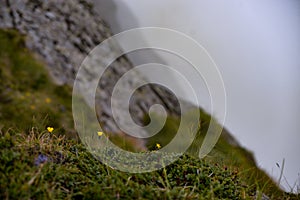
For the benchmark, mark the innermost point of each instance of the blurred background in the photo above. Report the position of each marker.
(256, 45)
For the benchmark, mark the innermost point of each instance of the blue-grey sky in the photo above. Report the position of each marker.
(256, 45)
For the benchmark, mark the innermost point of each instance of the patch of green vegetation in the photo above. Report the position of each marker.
(229, 156)
(36, 164)
(27, 94)
(72, 172)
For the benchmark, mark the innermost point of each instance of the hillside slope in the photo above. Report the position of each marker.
(38, 164)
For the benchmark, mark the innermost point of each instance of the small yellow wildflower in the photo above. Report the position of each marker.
(27, 94)
(48, 100)
(158, 145)
(100, 133)
(32, 107)
(50, 129)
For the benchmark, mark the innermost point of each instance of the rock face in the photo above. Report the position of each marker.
(62, 33)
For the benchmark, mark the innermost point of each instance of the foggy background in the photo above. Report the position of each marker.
(256, 45)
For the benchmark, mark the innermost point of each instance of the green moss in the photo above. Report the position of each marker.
(233, 158)
(72, 172)
(27, 94)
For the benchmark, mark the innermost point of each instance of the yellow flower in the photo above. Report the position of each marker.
(32, 107)
(100, 133)
(158, 145)
(48, 100)
(50, 129)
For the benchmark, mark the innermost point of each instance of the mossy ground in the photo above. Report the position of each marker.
(27, 94)
(30, 102)
(231, 157)
(72, 172)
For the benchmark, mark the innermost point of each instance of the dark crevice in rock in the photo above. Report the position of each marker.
(80, 48)
(162, 99)
(11, 14)
(68, 23)
(87, 5)
(20, 14)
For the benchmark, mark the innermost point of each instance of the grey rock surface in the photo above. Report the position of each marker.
(62, 33)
